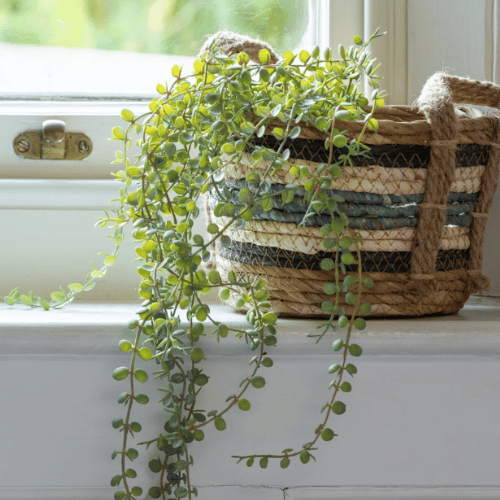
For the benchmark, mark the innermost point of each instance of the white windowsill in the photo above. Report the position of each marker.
(83, 329)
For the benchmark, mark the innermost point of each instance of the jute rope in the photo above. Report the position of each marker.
(233, 43)
(289, 296)
(393, 129)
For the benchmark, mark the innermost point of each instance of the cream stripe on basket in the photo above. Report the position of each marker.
(372, 179)
(288, 236)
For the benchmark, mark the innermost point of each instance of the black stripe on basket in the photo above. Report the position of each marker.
(386, 155)
(383, 262)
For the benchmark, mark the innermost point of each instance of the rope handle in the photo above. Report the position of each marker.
(436, 101)
(233, 43)
(442, 89)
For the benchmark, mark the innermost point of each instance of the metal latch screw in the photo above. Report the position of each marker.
(22, 146)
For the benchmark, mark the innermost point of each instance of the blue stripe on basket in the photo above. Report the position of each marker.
(385, 214)
(235, 185)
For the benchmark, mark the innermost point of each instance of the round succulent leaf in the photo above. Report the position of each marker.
(142, 399)
(327, 434)
(337, 344)
(117, 422)
(346, 386)
(270, 340)
(131, 473)
(201, 379)
(339, 141)
(132, 453)
(145, 353)
(123, 397)
(141, 375)
(338, 407)
(258, 382)
(120, 373)
(116, 480)
(355, 350)
(154, 492)
(267, 362)
(360, 324)
(199, 435)
(304, 456)
(343, 321)
(351, 369)
(244, 404)
(197, 354)
(155, 465)
(135, 427)
(334, 368)
(220, 424)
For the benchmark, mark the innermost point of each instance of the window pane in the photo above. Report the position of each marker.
(94, 46)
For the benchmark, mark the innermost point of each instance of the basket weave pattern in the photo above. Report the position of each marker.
(420, 201)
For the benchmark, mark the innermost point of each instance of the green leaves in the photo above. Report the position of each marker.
(145, 353)
(155, 465)
(258, 382)
(264, 56)
(9, 300)
(304, 456)
(327, 434)
(125, 345)
(58, 297)
(197, 354)
(141, 375)
(120, 373)
(338, 344)
(244, 404)
(127, 115)
(338, 407)
(118, 134)
(355, 349)
(142, 399)
(295, 132)
(220, 424)
(223, 116)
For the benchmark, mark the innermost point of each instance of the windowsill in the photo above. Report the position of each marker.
(90, 329)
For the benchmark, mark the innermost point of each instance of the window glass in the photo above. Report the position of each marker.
(64, 46)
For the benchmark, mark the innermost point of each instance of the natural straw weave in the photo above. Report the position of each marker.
(433, 183)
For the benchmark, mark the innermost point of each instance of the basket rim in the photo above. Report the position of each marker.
(403, 124)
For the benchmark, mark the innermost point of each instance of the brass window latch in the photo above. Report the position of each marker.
(52, 143)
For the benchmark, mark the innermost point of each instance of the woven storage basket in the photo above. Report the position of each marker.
(420, 201)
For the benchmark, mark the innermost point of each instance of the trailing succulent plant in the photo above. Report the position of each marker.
(206, 118)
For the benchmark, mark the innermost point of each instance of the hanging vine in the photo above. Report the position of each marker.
(205, 120)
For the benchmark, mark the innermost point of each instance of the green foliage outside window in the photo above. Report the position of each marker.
(156, 26)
